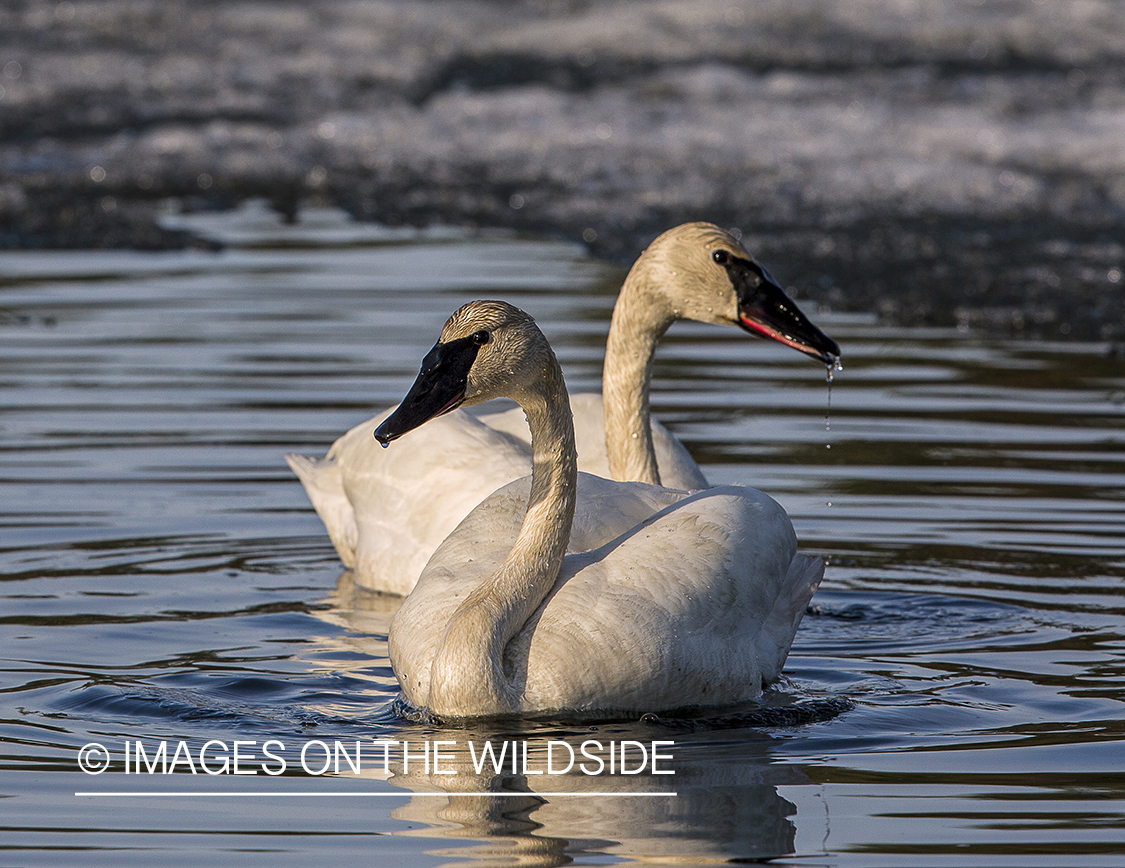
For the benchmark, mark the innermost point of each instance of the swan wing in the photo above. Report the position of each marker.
(677, 468)
(478, 546)
(684, 599)
(324, 485)
(389, 509)
(364, 494)
(696, 606)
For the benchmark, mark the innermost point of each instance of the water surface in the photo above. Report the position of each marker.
(165, 578)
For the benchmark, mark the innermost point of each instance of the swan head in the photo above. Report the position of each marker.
(487, 349)
(701, 272)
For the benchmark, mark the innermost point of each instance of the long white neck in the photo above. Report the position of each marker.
(639, 321)
(468, 676)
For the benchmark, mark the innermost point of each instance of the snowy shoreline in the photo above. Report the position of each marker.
(938, 162)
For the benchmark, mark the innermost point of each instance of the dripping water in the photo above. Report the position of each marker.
(831, 368)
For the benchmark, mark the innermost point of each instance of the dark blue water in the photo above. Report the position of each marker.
(955, 696)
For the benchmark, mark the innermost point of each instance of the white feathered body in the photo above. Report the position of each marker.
(678, 600)
(387, 510)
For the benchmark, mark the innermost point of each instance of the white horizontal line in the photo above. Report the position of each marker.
(190, 794)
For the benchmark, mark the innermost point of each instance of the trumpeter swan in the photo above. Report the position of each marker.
(696, 605)
(387, 513)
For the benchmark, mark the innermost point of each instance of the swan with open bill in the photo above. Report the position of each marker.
(386, 512)
(695, 605)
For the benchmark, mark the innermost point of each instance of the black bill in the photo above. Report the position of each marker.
(765, 309)
(440, 388)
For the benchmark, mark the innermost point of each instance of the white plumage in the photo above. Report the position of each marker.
(387, 511)
(668, 599)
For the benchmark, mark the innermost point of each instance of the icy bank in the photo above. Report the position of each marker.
(938, 161)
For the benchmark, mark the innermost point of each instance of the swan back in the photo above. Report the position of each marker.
(695, 604)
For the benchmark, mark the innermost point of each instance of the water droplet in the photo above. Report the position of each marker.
(828, 410)
(828, 503)
(384, 445)
(833, 366)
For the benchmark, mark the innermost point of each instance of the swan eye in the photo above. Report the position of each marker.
(721, 257)
(481, 338)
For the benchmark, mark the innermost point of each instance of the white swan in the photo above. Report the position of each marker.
(387, 513)
(696, 605)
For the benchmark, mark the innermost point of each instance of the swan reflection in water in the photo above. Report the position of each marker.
(726, 804)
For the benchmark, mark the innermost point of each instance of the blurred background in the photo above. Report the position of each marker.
(940, 162)
(209, 210)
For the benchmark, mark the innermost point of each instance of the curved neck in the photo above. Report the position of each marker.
(639, 321)
(468, 675)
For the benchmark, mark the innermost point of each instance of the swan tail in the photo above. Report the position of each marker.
(324, 484)
(804, 576)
